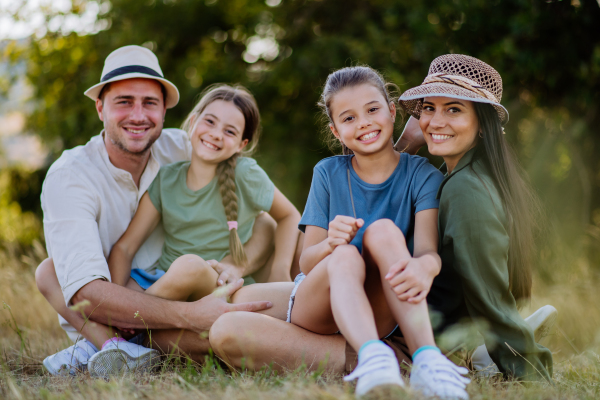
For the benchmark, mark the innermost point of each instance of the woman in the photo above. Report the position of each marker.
(487, 211)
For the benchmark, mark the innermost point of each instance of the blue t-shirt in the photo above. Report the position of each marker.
(411, 188)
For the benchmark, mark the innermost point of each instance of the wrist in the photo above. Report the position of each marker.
(432, 262)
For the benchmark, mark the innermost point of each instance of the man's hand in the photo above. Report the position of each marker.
(412, 138)
(411, 278)
(201, 314)
(342, 230)
(228, 273)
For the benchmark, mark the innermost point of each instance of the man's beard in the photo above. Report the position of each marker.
(121, 145)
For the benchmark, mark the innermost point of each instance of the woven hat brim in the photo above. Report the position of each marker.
(412, 99)
(172, 92)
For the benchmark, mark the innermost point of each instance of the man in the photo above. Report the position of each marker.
(89, 197)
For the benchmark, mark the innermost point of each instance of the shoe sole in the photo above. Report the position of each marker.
(542, 321)
(115, 362)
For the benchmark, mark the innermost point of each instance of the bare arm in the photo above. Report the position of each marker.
(286, 234)
(412, 279)
(141, 226)
(115, 305)
(319, 243)
(412, 138)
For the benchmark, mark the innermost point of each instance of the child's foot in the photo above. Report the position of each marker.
(119, 357)
(433, 375)
(377, 366)
(71, 360)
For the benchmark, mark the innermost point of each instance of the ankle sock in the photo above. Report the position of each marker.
(367, 345)
(113, 340)
(425, 352)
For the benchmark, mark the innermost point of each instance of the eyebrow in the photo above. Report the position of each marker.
(128, 97)
(366, 104)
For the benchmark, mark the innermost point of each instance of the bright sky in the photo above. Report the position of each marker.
(22, 18)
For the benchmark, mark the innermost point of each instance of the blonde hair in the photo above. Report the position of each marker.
(245, 102)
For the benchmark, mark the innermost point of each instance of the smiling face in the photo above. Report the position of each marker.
(450, 127)
(133, 112)
(362, 119)
(217, 132)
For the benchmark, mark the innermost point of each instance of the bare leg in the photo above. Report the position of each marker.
(384, 244)
(189, 278)
(179, 343)
(334, 296)
(253, 340)
(48, 285)
(277, 293)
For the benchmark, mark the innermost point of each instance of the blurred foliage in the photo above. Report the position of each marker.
(548, 53)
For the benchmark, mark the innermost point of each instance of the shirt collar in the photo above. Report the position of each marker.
(148, 175)
(466, 160)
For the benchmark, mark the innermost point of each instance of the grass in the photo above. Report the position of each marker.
(29, 331)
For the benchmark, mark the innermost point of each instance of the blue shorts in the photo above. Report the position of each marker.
(144, 278)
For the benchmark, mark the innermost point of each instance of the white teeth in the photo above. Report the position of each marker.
(210, 145)
(136, 131)
(369, 136)
(441, 137)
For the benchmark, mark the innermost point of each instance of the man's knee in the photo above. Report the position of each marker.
(381, 232)
(223, 336)
(44, 276)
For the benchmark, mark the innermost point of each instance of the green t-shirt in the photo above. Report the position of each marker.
(195, 222)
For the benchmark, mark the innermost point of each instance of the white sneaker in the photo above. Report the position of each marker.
(433, 375)
(71, 360)
(541, 322)
(119, 358)
(377, 366)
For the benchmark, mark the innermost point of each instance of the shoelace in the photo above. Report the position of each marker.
(447, 372)
(377, 360)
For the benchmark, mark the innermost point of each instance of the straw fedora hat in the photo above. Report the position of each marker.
(459, 77)
(129, 62)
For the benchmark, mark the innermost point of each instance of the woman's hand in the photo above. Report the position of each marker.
(342, 230)
(411, 278)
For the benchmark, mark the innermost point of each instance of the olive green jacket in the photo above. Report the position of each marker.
(473, 283)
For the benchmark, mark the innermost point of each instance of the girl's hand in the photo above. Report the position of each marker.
(342, 230)
(228, 273)
(411, 278)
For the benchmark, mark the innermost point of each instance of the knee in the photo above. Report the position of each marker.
(223, 337)
(382, 232)
(43, 276)
(346, 261)
(190, 267)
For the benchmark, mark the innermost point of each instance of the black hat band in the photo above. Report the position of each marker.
(130, 69)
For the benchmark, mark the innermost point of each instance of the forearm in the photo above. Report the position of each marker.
(286, 240)
(312, 255)
(119, 264)
(115, 305)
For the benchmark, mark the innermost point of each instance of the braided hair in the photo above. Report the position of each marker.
(245, 102)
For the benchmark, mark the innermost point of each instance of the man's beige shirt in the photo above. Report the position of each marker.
(88, 204)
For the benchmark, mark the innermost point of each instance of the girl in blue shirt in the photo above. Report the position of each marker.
(370, 245)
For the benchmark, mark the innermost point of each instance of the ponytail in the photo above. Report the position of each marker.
(226, 180)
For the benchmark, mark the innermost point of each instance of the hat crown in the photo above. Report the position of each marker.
(131, 55)
(470, 68)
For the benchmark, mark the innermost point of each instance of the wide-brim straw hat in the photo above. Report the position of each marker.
(129, 62)
(459, 77)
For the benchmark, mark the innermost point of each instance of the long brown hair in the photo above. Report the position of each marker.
(349, 77)
(245, 102)
(521, 205)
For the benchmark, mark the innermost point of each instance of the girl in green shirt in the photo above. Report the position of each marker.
(487, 211)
